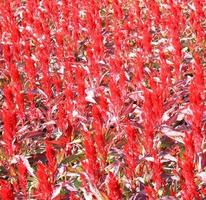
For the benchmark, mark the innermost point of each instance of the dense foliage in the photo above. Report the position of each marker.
(102, 99)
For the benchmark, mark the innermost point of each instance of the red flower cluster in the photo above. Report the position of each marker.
(102, 99)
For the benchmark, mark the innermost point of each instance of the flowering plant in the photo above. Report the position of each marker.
(102, 99)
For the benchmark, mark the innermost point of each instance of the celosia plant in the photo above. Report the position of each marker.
(102, 99)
